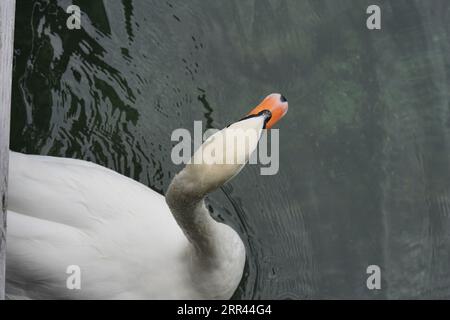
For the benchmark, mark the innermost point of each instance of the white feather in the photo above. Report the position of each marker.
(120, 233)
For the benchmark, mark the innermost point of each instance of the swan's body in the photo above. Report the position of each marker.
(126, 241)
(111, 226)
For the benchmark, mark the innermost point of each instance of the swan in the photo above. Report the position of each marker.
(125, 240)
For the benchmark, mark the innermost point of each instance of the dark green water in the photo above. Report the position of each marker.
(365, 148)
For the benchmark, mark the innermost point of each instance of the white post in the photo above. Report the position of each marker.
(7, 11)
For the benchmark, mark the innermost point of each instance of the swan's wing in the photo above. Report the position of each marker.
(38, 254)
(65, 212)
(77, 193)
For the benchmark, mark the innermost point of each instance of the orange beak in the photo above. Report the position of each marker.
(276, 104)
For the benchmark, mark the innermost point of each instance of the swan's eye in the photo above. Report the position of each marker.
(267, 114)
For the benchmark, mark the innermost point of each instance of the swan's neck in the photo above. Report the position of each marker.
(212, 241)
(218, 253)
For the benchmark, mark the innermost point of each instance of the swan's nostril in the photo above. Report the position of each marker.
(283, 98)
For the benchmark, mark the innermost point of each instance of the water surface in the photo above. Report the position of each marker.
(365, 162)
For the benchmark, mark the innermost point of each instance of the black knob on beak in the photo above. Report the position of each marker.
(283, 98)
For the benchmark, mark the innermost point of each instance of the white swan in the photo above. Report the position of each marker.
(122, 235)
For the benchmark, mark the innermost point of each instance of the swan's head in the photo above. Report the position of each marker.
(274, 106)
(226, 152)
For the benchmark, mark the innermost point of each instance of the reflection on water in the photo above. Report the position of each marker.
(365, 162)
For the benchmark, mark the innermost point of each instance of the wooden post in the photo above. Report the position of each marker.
(7, 11)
